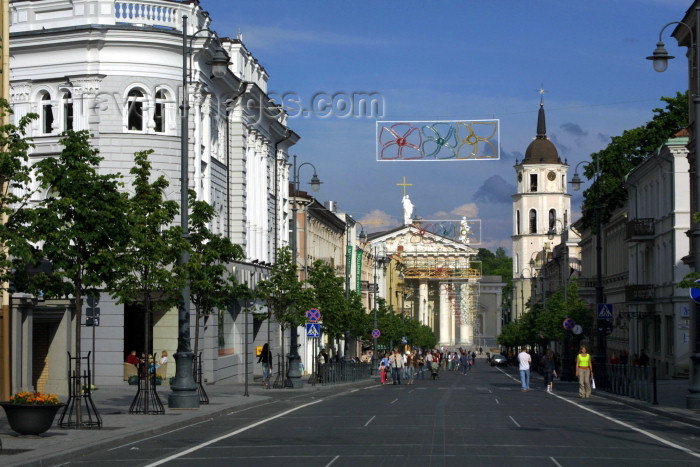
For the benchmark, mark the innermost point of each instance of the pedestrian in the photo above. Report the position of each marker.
(396, 364)
(265, 359)
(584, 371)
(548, 370)
(524, 360)
(421, 366)
(409, 365)
(463, 362)
(382, 372)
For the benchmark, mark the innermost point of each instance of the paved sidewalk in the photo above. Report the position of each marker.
(58, 445)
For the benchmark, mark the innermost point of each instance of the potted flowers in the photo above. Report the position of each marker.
(31, 413)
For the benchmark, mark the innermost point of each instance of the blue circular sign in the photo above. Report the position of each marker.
(313, 315)
(695, 292)
(376, 333)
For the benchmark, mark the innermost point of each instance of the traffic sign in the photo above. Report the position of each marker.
(376, 333)
(313, 315)
(313, 330)
(605, 311)
(695, 292)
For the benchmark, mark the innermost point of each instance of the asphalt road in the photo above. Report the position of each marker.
(481, 419)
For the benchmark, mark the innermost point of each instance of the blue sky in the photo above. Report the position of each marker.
(457, 60)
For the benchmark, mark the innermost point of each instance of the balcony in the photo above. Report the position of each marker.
(640, 230)
(639, 293)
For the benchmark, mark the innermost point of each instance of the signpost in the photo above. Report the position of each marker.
(605, 311)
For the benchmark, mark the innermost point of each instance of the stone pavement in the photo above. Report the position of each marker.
(58, 445)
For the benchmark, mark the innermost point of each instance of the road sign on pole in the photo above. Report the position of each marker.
(313, 315)
(605, 311)
(376, 333)
(313, 330)
(695, 292)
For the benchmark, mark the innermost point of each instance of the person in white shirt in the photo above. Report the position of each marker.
(524, 366)
(396, 363)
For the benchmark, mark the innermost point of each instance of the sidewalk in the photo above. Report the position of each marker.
(118, 427)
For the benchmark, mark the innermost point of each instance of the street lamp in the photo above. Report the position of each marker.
(293, 373)
(185, 395)
(566, 364)
(382, 261)
(348, 268)
(660, 60)
(600, 357)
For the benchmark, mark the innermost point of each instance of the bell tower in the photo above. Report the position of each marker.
(541, 208)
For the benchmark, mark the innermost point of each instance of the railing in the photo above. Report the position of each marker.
(341, 372)
(145, 12)
(637, 382)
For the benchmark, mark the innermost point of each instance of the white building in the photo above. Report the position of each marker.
(115, 68)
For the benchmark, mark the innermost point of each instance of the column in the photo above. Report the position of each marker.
(466, 331)
(445, 313)
(423, 301)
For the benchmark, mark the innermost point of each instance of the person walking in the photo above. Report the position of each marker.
(584, 371)
(396, 363)
(524, 360)
(548, 370)
(265, 359)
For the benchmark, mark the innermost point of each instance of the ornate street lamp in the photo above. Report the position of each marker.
(660, 59)
(185, 395)
(348, 269)
(293, 373)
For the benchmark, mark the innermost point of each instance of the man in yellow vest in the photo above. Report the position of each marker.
(584, 371)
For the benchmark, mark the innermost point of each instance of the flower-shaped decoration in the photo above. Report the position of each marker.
(440, 141)
(34, 398)
(477, 137)
(400, 141)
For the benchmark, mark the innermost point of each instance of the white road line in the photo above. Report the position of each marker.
(631, 427)
(395, 400)
(370, 420)
(497, 403)
(228, 435)
(334, 459)
(516, 423)
(555, 462)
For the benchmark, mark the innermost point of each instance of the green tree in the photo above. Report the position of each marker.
(150, 274)
(81, 225)
(329, 297)
(212, 286)
(626, 152)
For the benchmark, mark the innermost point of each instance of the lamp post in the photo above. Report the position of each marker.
(383, 261)
(660, 58)
(566, 359)
(185, 395)
(600, 357)
(348, 269)
(293, 373)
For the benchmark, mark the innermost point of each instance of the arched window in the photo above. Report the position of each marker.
(160, 115)
(46, 114)
(533, 221)
(134, 110)
(552, 220)
(67, 109)
(517, 222)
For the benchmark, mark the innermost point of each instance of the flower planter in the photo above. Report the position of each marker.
(30, 419)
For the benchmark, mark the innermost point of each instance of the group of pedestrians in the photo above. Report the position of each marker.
(584, 371)
(411, 365)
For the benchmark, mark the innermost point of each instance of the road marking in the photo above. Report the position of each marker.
(334, 459)
(228, 435)
(395, 400)
(631, 427)
(370, 420)
(516, 423)
(497, 403)
(555, 462)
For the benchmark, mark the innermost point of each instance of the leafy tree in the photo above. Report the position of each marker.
(81, 226)
(150, 275)
(329, 297)
(626, 152)
(212, 286)
(15, 193)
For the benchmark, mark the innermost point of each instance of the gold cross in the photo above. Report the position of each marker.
(404, 185)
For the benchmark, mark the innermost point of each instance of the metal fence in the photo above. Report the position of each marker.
(340, 372)
(637, 382)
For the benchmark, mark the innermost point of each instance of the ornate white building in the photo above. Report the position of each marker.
(115, 68)
(541, 208)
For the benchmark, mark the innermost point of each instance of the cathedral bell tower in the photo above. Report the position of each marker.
(541, 207)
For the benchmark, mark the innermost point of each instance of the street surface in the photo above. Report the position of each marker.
(481, 419)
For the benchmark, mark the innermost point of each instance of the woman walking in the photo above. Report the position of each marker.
(266, 359)
(584, 371)
(549, 371)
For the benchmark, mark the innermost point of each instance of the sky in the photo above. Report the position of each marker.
(454, 60)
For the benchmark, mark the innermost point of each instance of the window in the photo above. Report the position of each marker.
(226, 330)
(159, 116)
(533, 221)
(533, 182)
(134, 110)
(552, 220)
(46, 114)
(67, 107)
(517, 222)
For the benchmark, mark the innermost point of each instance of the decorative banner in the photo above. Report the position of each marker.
(358, 272)
(348, 265)
(441, 140)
